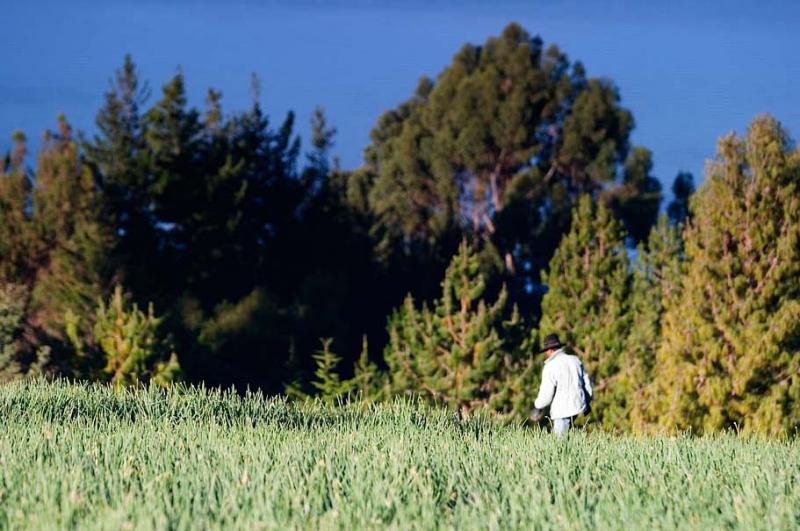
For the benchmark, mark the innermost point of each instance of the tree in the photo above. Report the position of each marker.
(637, 200)
(327, 381)
(682, 189)
(13, 299)
(368, 382)
(322, 136)
(72, 239)
(55, 246)
(17, 358)
(500, 147)
(730, 355)
(657, 274)
(204, 206)
(453, 354)
(587, 302)
(17, 263)
(133, 344)
(366, 385)
(333, 286)
(119, 161)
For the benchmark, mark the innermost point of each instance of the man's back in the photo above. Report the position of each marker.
(566, 387)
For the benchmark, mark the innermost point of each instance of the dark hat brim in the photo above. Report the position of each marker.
(551, 347)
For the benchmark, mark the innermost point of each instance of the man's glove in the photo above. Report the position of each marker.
(536, 414)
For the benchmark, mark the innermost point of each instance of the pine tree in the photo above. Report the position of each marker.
(682, 190)
(452, 354)
(120, 164)
(17, 262)
(637, 200)
(588, 299)
(518, 379)
(322, 135)
(366, 385)
(18, 357)
(730, 355)
(12, 312)
(657, 273)
(327, 381)
(13, 302)
(172, 136)
(133, 344)
(72, 238)
(368, 382)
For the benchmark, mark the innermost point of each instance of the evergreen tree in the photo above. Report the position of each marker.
(337, 290)
(730, 355)
(368, 383)
(452, 354)
(682, 190)
(327, 381)
(133, 343)
(72, 240)
(205, 207)
(637, 200)
(173, 140)
(12, 313)
(413, 209)
(322, 136)
(17, 358)
(587, 302)
(17, 263)
(657, 273)
(119, 161)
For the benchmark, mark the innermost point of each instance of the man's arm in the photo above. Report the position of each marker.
(587, 382)
(546, 391)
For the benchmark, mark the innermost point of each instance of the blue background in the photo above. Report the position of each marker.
(689, 71)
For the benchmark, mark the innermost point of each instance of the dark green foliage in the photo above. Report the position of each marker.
(500, 147)
(17, 263)
(657, 273)
(327, 381)
(119, 161)
(17, 358)
(637, 200)
(208, 200)
(248, 257)
(452, 354)
(55, 248)
(251, 259)
(682, 189)
(72, 242)
(252, 249)
(13, 300)
(587, 302)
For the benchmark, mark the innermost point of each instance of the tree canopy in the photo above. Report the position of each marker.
(504, 200)
(499, 148)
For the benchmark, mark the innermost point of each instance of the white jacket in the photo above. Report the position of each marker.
(565, 386)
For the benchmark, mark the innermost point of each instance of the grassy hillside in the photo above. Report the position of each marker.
(74, 456)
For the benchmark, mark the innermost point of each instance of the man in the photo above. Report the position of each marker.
(566, 387)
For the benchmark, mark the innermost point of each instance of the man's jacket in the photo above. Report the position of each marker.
(566, 387)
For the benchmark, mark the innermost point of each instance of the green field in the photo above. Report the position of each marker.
(88, 457)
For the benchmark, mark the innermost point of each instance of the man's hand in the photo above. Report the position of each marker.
(536, 414)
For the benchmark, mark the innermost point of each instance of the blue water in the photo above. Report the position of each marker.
(689, 71)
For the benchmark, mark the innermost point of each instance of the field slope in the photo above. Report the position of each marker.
(87, 457)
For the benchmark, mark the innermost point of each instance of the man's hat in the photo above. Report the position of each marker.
(551, 341)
